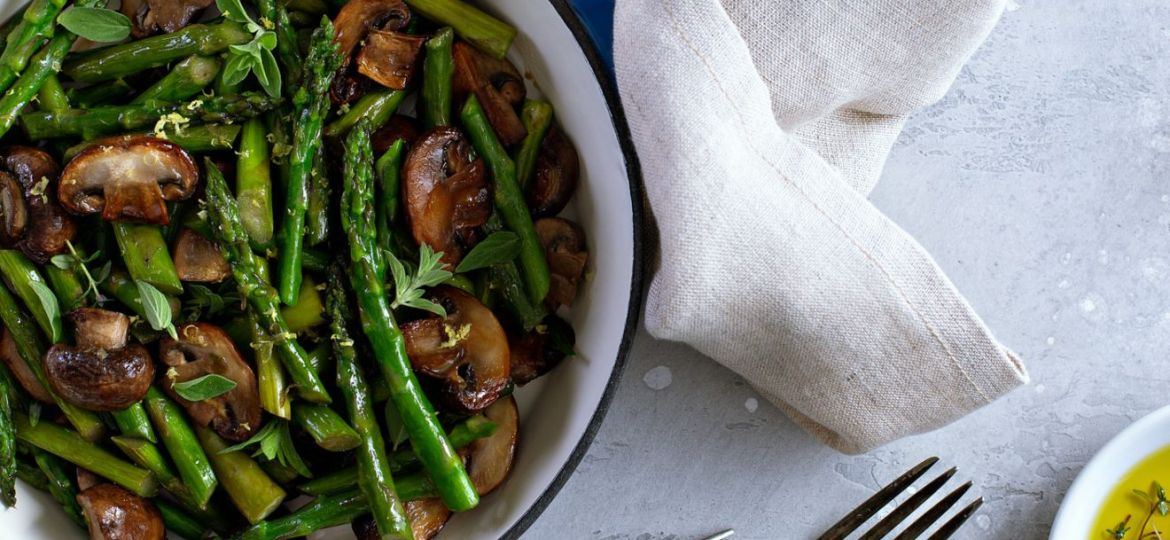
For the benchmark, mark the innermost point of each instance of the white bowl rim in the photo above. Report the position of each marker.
(1122, 452)
(634, 175)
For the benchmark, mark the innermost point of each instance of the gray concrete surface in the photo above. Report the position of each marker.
(1040, 185)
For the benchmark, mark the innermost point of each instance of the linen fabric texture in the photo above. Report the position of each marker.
(761, 127)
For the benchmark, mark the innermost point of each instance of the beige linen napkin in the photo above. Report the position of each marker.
(761, 127)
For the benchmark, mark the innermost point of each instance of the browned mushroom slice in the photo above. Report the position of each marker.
(13, 213)
(446, 193)
(467, 351)
(49, 227)
(389, 58)
(567, 253)
(113, 513)
(97, 379)
(491, 457)
(151, 17)
(427, 517)
(498, 86)
(128, 178)
(555, 177)
(358, 17)
(538, 352)
(19, 368)
(198, 259)
(99, 328)
(398, 127)
(204, 349)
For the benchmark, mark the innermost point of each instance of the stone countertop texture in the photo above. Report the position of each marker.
(1040, 184)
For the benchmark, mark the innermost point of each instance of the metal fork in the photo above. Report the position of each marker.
(879, 500)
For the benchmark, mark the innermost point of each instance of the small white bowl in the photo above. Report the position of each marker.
(1078, 511)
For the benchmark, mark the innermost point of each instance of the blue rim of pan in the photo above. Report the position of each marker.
(634, 173)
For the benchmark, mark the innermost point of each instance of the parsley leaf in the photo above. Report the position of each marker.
(408, 290)
(205, 387)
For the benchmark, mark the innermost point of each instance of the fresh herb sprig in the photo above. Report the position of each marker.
(254, 57)
(157, 308)
(274, 441)
(203, 388)
(408, 289)
(100, 25)
(74, 261)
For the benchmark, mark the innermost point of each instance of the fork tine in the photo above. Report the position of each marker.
(908, 507)
(854, 519)
(953, 525)
(931, 516)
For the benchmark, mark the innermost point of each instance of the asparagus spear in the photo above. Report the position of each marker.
(252, 491)
(178, 521)
(315, 261)
(133, 422)
(7, 442)
(269, 374)
(32, 476)
(44, 63)
(142, 54)
(68, 445)
(509, 198)
(32, 351)
(438, 68)
(286, 39)
(179, 439)
(254, 184)
(144, 250)
(22, 277)
(67, 286)
(427, 436)
(504, 278)
(12, 23)
(97, 121)
(60, 483)
(52, 95)
(91, 96)
(186, 80)
(373, 471)
(35, 24)
(224, 216)
(334, 510)
(389, 167)
(120, 286)
(326, 427)
(487, 33)
(317, 209)
(202, 138)
(537, 116)
(463, 434)
(312, 103)
(308, 311)
(146, 455)
(377, 106)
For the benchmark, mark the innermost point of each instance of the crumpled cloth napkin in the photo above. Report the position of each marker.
(761, 126)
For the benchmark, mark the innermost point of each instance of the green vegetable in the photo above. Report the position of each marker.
(334, 510)
(224, 217)
(389, 180)
(195, 139)
(179, 522)
(96, 24)
(52, 95)
(157, 51)
(205, 387)
(254, 184)
(22, 277)
(29, 28)
(269, 374)
(185, 81)
(509, 198)
(286, 37)
(499, 247)
(148, 456)
(312, 104)
(68, 445)
(373, 471)
(438, 69)
(251, 490)
(326, 427)
(156, 307)
(133, 422)
(179, 439)
(409, 289)
(537, 117)
(144, 250)
(91, 96)
(387, 342)
(317, 209)
(274, 442)
(377, 106)
(253, 57)
(504, 278)
(7, 441)
(60, 483)
(487, 33)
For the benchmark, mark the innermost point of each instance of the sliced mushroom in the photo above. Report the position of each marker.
(13, 212)
(491, 457)
(567, 253)
(19, 368)
(99, 328)
(467, 351)
(538, 352)
(128, 178)
(204, 349)
(86, 479)
(113, 513)
(390, 58)
(398, 127)
(498, 86)
(97, 379)
(49, 228)
(446, 193)
(151, 17)
(198, 259)
(355, 20)
(555, 177)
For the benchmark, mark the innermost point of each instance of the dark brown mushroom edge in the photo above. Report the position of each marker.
(101, 372)
(29, 180)
(537, 352)
(446, 192)
(498, 86)
(427, 518)
(555, 178)
(490, 458)
(113, 513)
(466, 352)
(203, 349)
(129, 179)
(367, 33)
(198, 259)
(567, 253)
(149, 17)
(20, 370)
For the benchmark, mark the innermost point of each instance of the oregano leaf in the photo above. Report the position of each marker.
(204, 388)
(95, 24)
